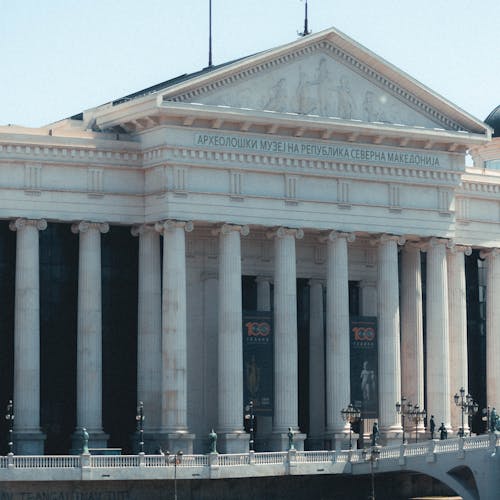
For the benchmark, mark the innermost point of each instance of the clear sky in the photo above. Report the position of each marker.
(59, 57)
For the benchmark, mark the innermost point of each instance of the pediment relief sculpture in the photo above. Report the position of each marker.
(317, 84)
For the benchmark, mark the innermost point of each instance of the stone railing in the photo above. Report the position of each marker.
(13, 467)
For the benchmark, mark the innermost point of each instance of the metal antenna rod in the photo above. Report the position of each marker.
(210, 33)
(306, 29)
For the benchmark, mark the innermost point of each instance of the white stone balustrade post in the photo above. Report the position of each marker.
(174, 337)
(438, 345)
(149, 332)
(89, 334)
(233, 439)
(492, 321)
(29, 440)
(412, 336)
(338, 395)
(389, 368)
(285, 338)
(458, 329)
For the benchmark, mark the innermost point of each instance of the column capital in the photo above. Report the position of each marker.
(434, 242)
(281, 232)
(85, 226)
(40, 224)
(317, 281)
(335, 235)
(385, 238)
(264, 279)
(228, 228)
(168, 225)
(489, 252)
(138, 229)
(454, 249)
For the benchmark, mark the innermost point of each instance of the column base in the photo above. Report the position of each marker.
(29, 443)
(233, 442)
(97, 439)
(391, 436)
(340, 440)
(156, 442)
(279, 441)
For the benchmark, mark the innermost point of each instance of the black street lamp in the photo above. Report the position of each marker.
(176, 459)
(372, 457)
(140, 425)
(404, 409)
(350, 414)
(9, 416)
(417, 415)
(250, 418)
(466, 404)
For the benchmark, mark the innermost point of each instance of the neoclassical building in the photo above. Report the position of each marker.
(298, 227)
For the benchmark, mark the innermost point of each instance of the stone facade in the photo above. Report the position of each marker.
(310, 167)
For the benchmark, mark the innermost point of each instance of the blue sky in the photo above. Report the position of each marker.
(59, 57)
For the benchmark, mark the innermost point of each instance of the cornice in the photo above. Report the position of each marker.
(193, 157)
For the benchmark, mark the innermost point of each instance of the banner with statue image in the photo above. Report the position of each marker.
(364, 365)
(258, 361)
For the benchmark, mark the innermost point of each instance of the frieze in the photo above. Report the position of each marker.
(329, 151)
(8, 151)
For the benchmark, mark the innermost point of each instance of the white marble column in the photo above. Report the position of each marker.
(233, 439)
(492, 321)
(458, 329)
(174, 337)
(389, 368)
(412, 339)
(149, 333)
(285, 338)
(438, 346)
(338, 395)
(28, 438)
(89, 332)
(316, 435)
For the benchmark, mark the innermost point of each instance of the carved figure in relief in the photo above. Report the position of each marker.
(345, 105)
(371, 108)
(278, 99)
(305, 105)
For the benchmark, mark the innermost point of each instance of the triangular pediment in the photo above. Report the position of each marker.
(327, 75)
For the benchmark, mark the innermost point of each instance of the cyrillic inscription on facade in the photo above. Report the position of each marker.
(343, 152)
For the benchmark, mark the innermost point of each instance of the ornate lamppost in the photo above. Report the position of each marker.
(9, 416)
(176, 459)
(350, 414)
(404, 409)
(417, 415)
(140, 425)
(250, 419)
(466, 404)
(372, 456)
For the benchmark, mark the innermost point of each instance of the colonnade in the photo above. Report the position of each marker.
(162, 313)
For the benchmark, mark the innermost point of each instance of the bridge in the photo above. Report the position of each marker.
(470, 466)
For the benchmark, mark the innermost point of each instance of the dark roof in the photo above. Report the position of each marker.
(493, 120)
(174, 81)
